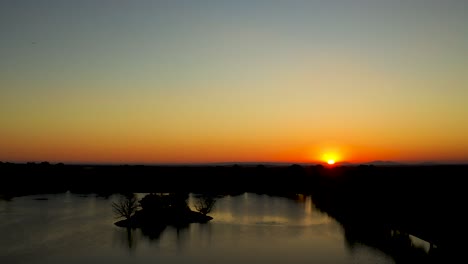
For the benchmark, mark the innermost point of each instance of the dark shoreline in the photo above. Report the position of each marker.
(426, 201)
(44, 177)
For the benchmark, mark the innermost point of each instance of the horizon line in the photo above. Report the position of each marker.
(251, 163)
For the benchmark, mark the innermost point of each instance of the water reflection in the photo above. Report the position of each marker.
(364, 229)
(394, 243)
(260, 211)
(263, 209)
(127, 238)
(249, 228)
(153, 232)
(250, 218)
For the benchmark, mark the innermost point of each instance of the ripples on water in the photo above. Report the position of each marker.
(247, 228)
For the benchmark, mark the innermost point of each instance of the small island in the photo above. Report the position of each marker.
(157, 210)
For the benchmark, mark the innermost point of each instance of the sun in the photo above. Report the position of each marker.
(330, 158)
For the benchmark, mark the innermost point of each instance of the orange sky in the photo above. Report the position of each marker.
(202, 83)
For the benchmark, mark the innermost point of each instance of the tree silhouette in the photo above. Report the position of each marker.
(126, 206)
(204, 204)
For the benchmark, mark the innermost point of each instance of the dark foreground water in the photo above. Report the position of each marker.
(247, 228)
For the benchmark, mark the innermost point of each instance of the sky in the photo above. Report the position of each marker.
(233, 81)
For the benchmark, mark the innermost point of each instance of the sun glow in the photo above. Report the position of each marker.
(330, 158)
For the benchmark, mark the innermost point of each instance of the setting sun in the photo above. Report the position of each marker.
(330, 157)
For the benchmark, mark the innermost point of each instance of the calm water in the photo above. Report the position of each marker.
(248, 228)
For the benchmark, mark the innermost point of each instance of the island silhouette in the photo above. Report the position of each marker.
(157, 209)
(393, 201)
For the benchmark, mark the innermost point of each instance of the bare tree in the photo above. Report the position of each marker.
(205, 204)
(126, 206)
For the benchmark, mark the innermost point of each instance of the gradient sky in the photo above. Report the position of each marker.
(211, 81)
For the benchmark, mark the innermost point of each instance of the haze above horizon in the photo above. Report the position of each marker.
(158, 82)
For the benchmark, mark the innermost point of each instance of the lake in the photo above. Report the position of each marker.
(246, 228)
